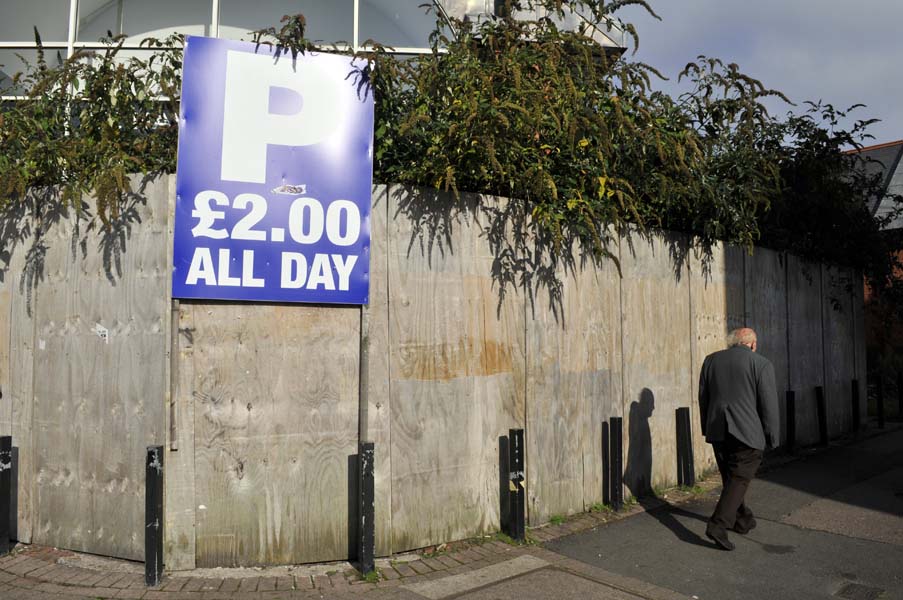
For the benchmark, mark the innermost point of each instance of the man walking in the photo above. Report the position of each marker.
(738, 410)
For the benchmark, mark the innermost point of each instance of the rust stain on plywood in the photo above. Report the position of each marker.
(466, 358)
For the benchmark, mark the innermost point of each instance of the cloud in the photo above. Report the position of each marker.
(843, 53)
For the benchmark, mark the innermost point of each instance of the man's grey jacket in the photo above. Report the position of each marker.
(737, 395)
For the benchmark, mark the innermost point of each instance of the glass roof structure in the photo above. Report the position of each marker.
(68, 25)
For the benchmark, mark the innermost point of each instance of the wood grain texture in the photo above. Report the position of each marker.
(457, 375)
(11, 262)
(573, 384)
(17, 367)
(766, 312)
(179, 548)
(717, 305)
(275, 419)
(655, 304)
(839, 348)
(378, 384)
(98, 401)
(805, 343)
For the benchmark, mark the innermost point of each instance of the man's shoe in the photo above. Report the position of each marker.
(719, 536)
(744, 528)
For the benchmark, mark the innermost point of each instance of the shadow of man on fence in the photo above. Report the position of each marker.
(638, 473)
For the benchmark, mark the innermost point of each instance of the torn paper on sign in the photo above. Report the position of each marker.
(102, 332)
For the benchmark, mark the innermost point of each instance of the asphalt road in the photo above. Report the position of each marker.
(829, 526)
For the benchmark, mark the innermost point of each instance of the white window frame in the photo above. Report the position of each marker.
(72, 45)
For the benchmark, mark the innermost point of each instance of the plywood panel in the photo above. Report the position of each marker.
(17, 360)
(573, 384)
(806, 364)
(377, 343)
(840, 348)
(6, 290)
(766, 310)
(180, 507)
(100, 389)
(655, 301)
(456, 362)
(179, 551)
(275, 391)
(64, 435)
(717, 302)
(12, 255)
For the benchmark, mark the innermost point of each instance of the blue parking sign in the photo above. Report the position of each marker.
(274, 176)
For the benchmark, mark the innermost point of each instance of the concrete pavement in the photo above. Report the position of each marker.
(484, 571)
(830, 525)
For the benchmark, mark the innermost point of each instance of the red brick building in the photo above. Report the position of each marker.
(884, 333)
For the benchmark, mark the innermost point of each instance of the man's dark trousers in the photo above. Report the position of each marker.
(738, 464)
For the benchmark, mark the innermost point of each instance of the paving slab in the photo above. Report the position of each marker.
(457, 584)
(549, 583)
(844, 514)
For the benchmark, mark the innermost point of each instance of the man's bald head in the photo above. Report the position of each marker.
(744, 336)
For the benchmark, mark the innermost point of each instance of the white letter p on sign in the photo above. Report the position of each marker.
(248, 125)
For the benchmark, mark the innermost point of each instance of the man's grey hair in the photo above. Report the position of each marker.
(743, 335)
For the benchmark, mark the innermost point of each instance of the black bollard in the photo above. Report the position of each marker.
(606, 465)
(367, 511)
(6, 490)
(616, 436)
(900, 394)
(679, 436)
(504, 483)
(517, 485)
(791, 420)
(822, 408)
(153, 516)
(686, 475)
(690, 473)
(855, 401)
(880, 406)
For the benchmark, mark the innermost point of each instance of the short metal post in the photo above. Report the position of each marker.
(6, 490)
(367, 512)
(900, 394)
(606, 465)
(690, 468)
(685, 474)
(617, 461)
(153, 516)
(679, 436)
(791, 420)
(822, 408)
(517, 485)
(855, 401)
(880, 406)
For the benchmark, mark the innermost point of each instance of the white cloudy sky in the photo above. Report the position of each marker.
(840, 52)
